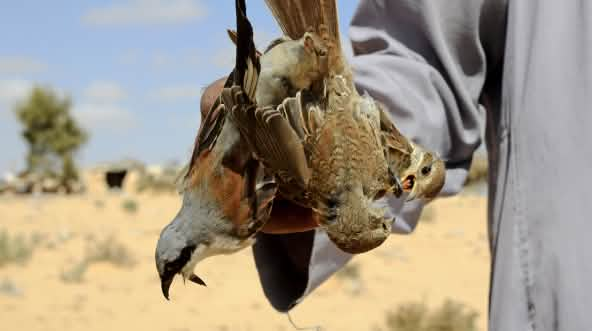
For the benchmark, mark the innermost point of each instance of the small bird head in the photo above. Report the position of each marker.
(317, 52)
(314, 44)
(175, 253)
(355, 224)
(425, 177)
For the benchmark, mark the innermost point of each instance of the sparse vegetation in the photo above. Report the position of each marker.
(350, 276)
(53, 137)
(14, 249)
(450, 316)
(129, 205)
(9, 288)
(111, 251)
(108, 250)
(75, 274)
(350, 271)
(99, 204)
(428, 214)
(166, 180)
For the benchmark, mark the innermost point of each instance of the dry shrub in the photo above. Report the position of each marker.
(14, 249)
(165, 181)
(428, 214)
(450, 316)
(408, 317)
(130, 206)
(108, 250)
(350, 271)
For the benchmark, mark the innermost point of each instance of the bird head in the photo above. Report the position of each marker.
(355, 224)
(425, 177)
(177, 252)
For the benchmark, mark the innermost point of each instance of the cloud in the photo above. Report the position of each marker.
(146, 12)
(104, 92)
(104, 117)
(183, 60)
(178, 92)
(10, 65)
(13, 91)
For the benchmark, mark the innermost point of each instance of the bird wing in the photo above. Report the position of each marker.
(259, 191)
(259, 187)
(266, 131)
(247, 66)
(397, 148)
(245, 74)
(270, 136)
(210, 129)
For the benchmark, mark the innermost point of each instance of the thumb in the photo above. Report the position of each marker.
(209, 96)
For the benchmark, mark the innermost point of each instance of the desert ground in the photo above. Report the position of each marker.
(92, 268)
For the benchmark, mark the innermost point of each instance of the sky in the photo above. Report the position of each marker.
(134, 69)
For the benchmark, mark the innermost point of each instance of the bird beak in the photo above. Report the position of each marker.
(165, 284)
(194, 278)
(409, 185)
(412, 195)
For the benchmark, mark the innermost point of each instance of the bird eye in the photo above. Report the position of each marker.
(426, 170)
(332, 203)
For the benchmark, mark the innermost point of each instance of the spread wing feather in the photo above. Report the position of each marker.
(270, 136)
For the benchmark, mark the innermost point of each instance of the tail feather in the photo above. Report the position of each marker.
(247, 65)
(295, 17)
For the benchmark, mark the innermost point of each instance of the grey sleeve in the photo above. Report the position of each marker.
(427, 61)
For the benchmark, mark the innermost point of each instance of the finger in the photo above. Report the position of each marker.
(210, 95)
(287, 217)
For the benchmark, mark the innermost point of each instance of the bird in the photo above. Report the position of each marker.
(287, 66)
(421, 172)
(323, 146)
(227, 195)
(338, 158)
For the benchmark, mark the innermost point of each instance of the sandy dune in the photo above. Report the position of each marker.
(447, 257)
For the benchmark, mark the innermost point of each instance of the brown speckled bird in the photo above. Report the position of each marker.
(421, 172)
(324, 145)
(289, 65)
(227, 196)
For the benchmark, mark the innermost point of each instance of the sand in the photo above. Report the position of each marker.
(446, 257)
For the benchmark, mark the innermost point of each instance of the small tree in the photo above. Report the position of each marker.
(52, 134)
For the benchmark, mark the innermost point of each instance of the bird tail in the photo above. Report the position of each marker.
(295, 17)
(247, 67)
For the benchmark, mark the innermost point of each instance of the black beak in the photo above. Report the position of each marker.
(194, 278)
(165, 284)
(166, 281)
